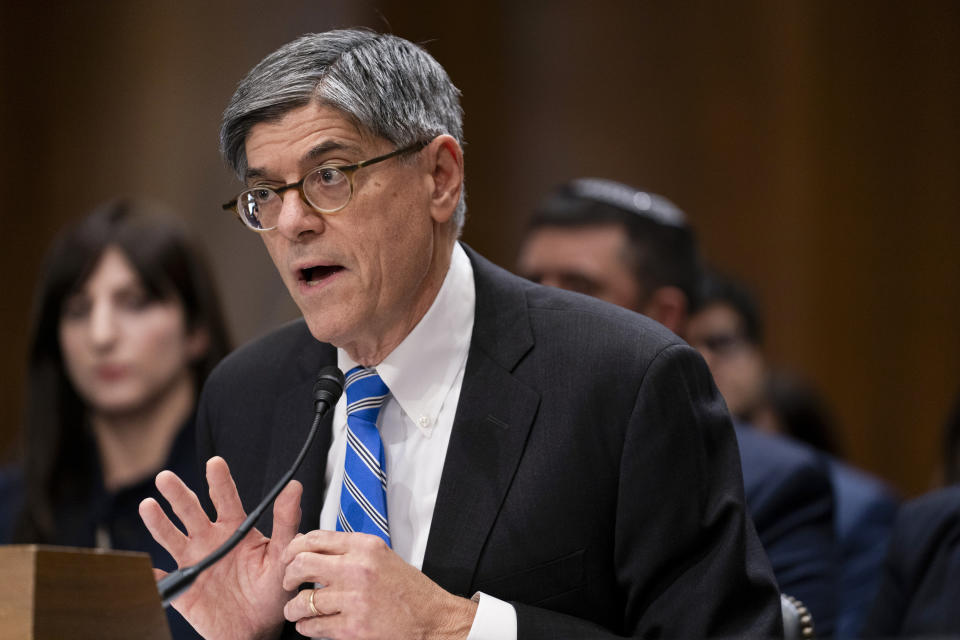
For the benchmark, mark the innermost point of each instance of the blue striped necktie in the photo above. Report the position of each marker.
(363, 498)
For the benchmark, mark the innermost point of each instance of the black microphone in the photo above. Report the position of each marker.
(326, 391)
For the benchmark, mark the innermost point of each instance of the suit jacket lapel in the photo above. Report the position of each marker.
(291, 424)
(493, 419)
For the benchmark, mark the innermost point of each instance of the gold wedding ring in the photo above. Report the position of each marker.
(313, 607)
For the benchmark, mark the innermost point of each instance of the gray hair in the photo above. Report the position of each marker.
(388, 86)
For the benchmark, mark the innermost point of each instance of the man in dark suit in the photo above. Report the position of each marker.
(920, 586)
(544, 465)
(920, 582)
(635, 249)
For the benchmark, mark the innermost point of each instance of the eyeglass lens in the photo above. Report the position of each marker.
(326, 189)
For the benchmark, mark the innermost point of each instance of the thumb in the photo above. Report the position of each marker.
(158, 574)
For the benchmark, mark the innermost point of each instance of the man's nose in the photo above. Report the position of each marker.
(297, 216)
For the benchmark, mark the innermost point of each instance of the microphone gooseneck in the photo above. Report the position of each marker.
(326, 391)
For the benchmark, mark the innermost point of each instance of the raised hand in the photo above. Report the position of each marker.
(242, 595)
(370, 592)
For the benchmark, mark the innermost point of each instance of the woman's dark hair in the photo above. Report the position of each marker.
(170, 266)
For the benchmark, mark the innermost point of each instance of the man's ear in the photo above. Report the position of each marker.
(668, 306)
(446, 176)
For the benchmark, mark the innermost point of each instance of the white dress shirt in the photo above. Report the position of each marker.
(424, 374)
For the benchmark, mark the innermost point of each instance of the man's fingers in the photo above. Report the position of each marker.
(312, 567)
(163, 531)
(326, 602)
(159, 574)
(286, 515)
(299, 606)
(321, 541)
(323, 626)
(183, 501)
(223, 491)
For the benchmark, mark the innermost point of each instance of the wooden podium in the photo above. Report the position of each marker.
(50, 593)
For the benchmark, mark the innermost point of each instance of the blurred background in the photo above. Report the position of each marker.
(815, 146)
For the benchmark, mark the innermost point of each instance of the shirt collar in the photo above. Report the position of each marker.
(421, 369)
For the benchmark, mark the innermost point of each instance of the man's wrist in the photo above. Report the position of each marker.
(456, 618)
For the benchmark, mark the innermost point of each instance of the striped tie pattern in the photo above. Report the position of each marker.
(363, 498)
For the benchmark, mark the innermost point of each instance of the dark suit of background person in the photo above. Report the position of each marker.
(866, 509)
(635, 249)
(727, 329)
(11, 497)
(591, 477)
(788, 494)
(919, 592)
(865, 506)
(920, 584)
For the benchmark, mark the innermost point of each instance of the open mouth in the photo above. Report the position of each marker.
(319, 273)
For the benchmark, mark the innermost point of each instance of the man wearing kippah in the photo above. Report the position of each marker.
(635, 249)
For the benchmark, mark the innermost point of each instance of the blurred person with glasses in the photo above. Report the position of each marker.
(726, 328)
(507, 418)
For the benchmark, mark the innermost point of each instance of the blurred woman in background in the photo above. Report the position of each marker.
(127, 325)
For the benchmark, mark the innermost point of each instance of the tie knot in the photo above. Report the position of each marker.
(366, 393)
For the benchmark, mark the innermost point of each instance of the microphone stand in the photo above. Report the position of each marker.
(326, 391)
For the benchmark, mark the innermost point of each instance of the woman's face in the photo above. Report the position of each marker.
(122, 350)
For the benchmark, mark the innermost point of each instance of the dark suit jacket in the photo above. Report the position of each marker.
(919, 592)
(823, 524)
(11, 501)
(790, 497)
(866, 509)
(592, 476)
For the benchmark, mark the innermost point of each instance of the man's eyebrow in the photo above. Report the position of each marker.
(314, 154)
(326, 147)
(253, 174)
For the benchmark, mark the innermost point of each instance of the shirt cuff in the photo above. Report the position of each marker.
(494, 620)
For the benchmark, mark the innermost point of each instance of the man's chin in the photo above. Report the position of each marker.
(324, 328)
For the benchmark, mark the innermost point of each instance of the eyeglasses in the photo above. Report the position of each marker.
(327, 188)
